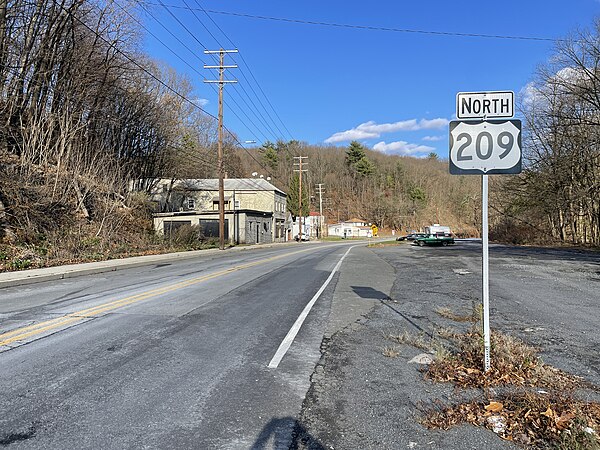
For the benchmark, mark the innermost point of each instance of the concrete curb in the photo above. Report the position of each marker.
(20, 278)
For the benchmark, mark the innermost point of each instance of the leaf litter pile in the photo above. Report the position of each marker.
(526, 401)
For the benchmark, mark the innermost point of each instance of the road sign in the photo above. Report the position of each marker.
(485, 105)
(485, 148)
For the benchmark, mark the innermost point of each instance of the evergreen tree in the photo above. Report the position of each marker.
(357, 160)
(354, 153)
(270, 155)
(364, 167)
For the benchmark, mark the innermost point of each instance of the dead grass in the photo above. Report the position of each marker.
(449, 314)
(383, 244)
(414, 340)
(552, 417)
(390, 352)
(513, 363)
(529, 419)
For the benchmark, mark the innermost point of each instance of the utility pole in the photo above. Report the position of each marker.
(300, 170)
(221, 82)
(320, 191)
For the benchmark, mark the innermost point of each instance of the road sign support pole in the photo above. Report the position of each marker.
(485, 272)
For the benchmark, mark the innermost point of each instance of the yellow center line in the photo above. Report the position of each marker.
(41, 327)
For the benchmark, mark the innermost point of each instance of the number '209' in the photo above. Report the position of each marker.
(505, 141)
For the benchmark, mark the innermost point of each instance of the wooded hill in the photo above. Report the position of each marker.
(394, 192)
(83, 112)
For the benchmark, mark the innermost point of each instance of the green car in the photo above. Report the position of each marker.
(434, 239)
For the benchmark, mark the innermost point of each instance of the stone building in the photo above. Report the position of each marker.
(255, 210)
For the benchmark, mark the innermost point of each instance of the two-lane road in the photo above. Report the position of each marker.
(166, 356)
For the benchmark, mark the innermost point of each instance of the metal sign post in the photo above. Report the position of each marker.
(484, 147)
(485, 273)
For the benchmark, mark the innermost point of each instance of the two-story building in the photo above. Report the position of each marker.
(255, 210)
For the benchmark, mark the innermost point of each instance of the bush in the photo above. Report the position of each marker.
(189, 237)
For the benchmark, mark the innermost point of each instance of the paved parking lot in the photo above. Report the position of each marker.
(362, 399)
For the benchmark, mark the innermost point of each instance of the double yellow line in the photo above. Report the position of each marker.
(23, 333)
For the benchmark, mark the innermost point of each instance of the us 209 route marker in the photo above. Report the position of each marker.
(479, 146)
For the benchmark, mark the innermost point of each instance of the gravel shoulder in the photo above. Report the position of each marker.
(360, 398)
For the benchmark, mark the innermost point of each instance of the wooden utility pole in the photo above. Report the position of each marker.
(220, 167)
(320, 191)
(300, 170)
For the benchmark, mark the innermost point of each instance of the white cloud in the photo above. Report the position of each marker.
(370, 129)
(402, 148)
(202, 102)
(563, 82)
(351, 135)
(433, 124)
(434, 138)
(529, 94)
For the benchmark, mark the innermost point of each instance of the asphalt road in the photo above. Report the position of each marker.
(176, 355)
(173, 355)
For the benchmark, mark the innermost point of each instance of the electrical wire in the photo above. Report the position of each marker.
(203, 46)
(199, 20)
(244, 75)
(258, 112)
(374, 28)
(194, 69)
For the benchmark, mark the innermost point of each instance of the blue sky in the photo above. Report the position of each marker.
(392, 91)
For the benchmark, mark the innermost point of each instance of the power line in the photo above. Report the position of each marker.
(243, 74)
(205, 48)
(258, 112)
(376, 28)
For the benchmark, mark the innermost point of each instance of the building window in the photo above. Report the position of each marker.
(190, 203)
(226, 204)
(236, 204)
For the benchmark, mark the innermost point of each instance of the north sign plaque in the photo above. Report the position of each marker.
(485, 105)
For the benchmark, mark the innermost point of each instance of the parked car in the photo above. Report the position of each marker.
(442, 239)
(410, 237)
(305, 237)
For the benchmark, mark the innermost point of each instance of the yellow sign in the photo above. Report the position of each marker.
(375, 230)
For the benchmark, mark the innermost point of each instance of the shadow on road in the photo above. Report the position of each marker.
(369, 292)
(276, 435)
(374, 294)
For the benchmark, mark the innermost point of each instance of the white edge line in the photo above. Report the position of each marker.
(289, 338)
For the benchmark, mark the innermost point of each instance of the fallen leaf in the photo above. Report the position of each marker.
(548, 413)
(494, 407)
(562, 422)
(471, 371)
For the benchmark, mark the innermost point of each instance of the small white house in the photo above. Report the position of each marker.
(352, 228)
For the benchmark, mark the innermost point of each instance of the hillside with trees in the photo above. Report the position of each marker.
(557, 197)
(393, 192)
(82, 113)
(85, 115)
